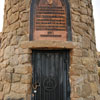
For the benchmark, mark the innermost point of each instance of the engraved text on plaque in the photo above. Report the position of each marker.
(50, 21)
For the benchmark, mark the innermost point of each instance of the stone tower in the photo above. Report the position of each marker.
(16, 51)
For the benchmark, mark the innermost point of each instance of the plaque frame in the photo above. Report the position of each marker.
(68, 19)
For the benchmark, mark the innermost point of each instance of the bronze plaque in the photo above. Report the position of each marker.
(50, 21)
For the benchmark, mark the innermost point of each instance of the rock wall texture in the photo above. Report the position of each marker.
(15, 62)
(98, 57)
(98, 64)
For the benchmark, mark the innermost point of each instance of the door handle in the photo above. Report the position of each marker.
(35, 86)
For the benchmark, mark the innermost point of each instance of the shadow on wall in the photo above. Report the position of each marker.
(98, 64)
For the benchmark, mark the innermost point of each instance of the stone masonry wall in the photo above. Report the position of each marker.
(83, 72)
(15, 62)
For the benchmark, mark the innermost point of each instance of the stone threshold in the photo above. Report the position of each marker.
(48, 45)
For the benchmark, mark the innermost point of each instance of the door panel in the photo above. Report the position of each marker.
(50, 75)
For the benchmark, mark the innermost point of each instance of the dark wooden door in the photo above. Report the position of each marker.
(50, 75)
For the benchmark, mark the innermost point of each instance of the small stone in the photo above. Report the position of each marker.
(14, 26)
(14, 40)
(1, 52)
(76, 52)
(26, 58)
(28, 3)
(13, 2)
(91, 78)
(15, 96)
(78, 98)
(6, 88)
(1, 95)
(83, 26)
(85, 19)
(4, 64)
(2, 74)
(20, 32)
(8, 4)
(86, 42)
(97, 97)
(9, 14)
(8, 77)
(15, 8)
(16, 77)
(99, 89)
(86, 90)
(85, 53)
(1, 87)
(93, 46)
(78, 29)
(14, 60)
(76, 60)
(76, 18)
(23, 51)
(24, 38)
(87, 61)
(91, 98)
(23, 69)
(89, 12)
(94, 87)
(8, 52)
(22, 5)
(14, 17)
(26, 79)
(83, 4)
(24, 17)
(74, 71)
(0, 77)
(20, 88)
(83, 11)
(9, 69)
(26, 30)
